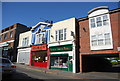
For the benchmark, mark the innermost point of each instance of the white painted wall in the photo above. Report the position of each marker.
(23, 35)
(69, 24)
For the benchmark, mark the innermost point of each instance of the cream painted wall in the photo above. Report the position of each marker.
(69, 24)
(23, 35)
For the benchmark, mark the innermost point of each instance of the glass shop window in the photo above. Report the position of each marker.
(60, 62)
(39, 57)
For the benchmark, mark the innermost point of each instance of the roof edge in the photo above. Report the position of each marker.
(97, 8)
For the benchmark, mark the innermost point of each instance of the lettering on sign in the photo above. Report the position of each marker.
(39, 47)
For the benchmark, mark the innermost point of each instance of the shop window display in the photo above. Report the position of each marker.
(60, 62)
(39, 57)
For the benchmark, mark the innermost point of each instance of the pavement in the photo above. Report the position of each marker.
(88, 75)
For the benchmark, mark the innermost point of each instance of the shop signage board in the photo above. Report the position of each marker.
(61, 48)
(39, 47)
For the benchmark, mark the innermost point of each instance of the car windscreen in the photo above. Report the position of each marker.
(6, 61)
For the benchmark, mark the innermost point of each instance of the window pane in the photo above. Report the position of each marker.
(60, 34)
(107, 42)
(100, 36)
(92, 21)
(105, 20)
(94, 42)
(100, 42)
(5, 36)
(105, 17)
(99, 22)
(11, 34)
(94, 37)
(65, 34)
(56, 35)
(107, 35)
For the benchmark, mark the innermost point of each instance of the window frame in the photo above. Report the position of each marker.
(92, 23)
(62, 34)
(25, 41)
(39, 38)
(99, 21)
(11, 34)
(5, 36)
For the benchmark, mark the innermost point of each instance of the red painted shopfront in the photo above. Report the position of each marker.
(39, 56)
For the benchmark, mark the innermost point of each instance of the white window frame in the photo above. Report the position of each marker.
(11, 34)
(99, 38)
(92, 21)
(63, 34)
(94, 40)
(99, 21)
(107, 38)
(105, 21)
(25, 41)
(39, 38)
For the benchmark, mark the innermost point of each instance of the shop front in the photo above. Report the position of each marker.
(23, 56)
(61, 57)
(39, 57)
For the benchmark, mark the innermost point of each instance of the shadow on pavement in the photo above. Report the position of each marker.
(19, 76)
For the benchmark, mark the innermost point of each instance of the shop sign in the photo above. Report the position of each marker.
(61, 48)
(39, 47)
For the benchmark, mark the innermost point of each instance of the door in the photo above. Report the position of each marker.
(70, 64)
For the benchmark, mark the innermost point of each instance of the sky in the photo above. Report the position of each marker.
(30, 13)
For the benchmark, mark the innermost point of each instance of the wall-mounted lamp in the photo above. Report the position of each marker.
(52, 36)
(84, 29)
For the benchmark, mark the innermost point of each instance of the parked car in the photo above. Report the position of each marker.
(6, 66)
(114, 62)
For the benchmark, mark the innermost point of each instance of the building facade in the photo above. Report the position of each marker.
(40, 40)
(24, 48)
(99, 37)
(9, 38)
(62, 45)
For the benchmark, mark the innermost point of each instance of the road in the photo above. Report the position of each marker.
(24, 73)
(33, 75)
